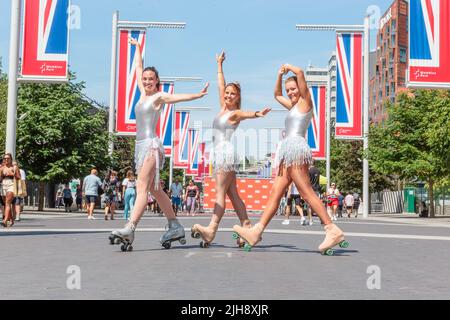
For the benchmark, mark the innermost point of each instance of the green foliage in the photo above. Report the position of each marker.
(59, 137)
(415, 140)
(3, 105)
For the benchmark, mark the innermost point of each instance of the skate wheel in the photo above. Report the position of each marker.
(344, 244)
(116, 241)
(235, 236)
(195, 235)
(130, 248)
(241, 244)
(328, 252)
(166, 245)
(247, 247)
(123, 247)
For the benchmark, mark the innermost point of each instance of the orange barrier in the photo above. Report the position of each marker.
(254, 192)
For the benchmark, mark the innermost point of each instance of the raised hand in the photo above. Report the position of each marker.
(283, 70)
(263, 112)
(204, 90)
(220, 57)
(133, 41)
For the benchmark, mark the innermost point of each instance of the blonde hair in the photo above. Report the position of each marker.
(130, 175)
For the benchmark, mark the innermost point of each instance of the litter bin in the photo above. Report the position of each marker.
(409, 194)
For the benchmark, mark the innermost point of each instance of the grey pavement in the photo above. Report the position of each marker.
(390, 257)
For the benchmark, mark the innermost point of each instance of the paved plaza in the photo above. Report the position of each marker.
(390, 257)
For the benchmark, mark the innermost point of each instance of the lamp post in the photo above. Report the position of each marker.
(366, 31)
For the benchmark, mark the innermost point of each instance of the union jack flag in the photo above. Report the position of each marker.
(128, 93)
(45, 41)
(316, 130)
(194, 135)
(181, 158)
(429, 38)
(165, 123)
(349, 85)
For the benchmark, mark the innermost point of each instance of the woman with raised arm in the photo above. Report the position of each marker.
(224, 159)
(149, 155)
(292, 159)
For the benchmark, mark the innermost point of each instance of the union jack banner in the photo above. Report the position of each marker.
(45, 41)
(181, 141)
(192, 169)
(429, 38)
(316, 130)
(165, 122)
(349, 85)
(128, 93)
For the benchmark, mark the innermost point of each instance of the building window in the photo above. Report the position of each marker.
(403, 55)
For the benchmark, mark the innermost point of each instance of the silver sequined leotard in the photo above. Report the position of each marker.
(147, 142)
(294, 150)
(224, 158)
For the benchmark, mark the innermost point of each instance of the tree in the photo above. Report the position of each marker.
(58, 139)
(414, 143)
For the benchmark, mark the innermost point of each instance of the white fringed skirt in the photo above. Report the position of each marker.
(292, 151)
(224, 158)
(145, 148)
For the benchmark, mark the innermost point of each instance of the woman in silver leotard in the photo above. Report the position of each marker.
(224, 159)
(149, 154)
(292, 159)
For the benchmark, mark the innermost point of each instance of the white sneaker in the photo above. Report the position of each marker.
(310, 222)
(285, 222)
(89, 217)
(93, 218)
(303, 221)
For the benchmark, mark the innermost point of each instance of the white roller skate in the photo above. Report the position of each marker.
(175, 232)
(124, 236)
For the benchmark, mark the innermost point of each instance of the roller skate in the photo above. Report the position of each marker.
(206, 233)
(174, 232)
(239, 241)
(124, 236)
(333, 236)
(251, 236)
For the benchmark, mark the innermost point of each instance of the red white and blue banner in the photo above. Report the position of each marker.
(194, 136)
(45, 41)
(317, 129)
(349, 85)
(429, 38)
(181, 141)
(165, 123)
(128, 93)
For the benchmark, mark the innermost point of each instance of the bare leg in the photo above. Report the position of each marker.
(253, 235)
(334, 235)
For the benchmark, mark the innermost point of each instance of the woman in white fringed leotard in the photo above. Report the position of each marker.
(225, 161)
(292, 159)
(149, 153)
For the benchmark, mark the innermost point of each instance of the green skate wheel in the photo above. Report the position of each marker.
(328, 252)
(344, 244)
(247, 247)
(235, 236)
(183, 241)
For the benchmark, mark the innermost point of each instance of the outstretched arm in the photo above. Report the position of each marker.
(220, 77)
(138, 61)
(278, 94)
(175, 98)
(301, 82)
(240, 115)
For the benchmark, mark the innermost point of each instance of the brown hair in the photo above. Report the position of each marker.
(130, 175)
(293, 78)
(236, 86)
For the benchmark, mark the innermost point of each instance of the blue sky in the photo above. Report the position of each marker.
(258, 36)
